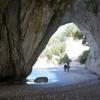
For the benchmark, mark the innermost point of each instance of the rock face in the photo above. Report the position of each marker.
(27, 25)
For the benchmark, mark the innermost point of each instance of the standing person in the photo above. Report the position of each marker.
(68, 67)
(65, 67)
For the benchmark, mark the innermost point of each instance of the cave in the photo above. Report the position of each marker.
(67, 44)
(26, 26)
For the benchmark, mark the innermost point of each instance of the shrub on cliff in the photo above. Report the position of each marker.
(83, 57)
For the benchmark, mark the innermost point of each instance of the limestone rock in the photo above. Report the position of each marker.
(25, 28)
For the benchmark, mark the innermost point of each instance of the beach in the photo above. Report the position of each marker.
(58, 77)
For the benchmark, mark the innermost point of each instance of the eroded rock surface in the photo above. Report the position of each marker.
(27, 25)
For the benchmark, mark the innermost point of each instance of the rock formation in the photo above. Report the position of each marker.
(27, 25)
(41, 80)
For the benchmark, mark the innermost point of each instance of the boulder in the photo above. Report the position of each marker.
(41, 80)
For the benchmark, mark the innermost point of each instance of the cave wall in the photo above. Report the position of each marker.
(87, 17)
(27, 25)
(25, 28)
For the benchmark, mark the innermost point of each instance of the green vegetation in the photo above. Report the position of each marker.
(83, 57)
(64, 32)
(57, 50)
(72, 30)
(56, 45)
(64, 59)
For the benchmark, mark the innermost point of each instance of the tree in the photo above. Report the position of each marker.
(83, 57)
(65, 59)
(58, 50)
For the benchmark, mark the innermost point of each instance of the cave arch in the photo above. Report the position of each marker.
(25, 28)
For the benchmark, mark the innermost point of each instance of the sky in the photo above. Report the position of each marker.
(74, 48)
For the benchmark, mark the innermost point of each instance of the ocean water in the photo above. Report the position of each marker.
(44, 72)
(56, 75)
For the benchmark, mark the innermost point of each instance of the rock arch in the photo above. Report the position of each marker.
(26, 26)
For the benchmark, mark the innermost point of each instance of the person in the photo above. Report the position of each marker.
(65, 67)
(68, 67)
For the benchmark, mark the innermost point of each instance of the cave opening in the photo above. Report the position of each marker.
(68, 43)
